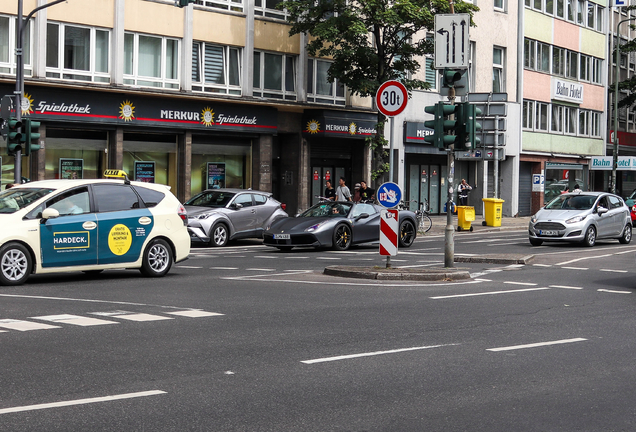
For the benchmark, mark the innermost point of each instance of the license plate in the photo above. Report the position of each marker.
(548, 233)
(281, 237)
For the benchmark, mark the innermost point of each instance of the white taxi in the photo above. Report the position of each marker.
(53, 226)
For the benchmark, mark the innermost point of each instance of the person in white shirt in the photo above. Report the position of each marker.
(462, 191)
(342, 191)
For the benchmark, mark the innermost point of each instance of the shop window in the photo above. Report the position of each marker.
(228, 164)
(77, 53)
(274, 75)
(8, 46)
(216, 68)
(232, 5)
(151, 61)
(74, 154)
(267, 8)
(160, 149)
(319, 89)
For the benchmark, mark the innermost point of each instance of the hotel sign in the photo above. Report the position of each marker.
(605, 163)
(567, 91)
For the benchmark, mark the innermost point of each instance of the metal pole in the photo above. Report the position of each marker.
(19, 78)
(449, 230)
(496, 161)
(618, 66)
(392, 120)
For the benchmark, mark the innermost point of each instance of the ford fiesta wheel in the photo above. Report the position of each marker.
(157, 259)
(15, 264)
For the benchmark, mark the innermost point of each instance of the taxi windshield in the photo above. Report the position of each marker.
(211, 199)
(572, 202)
(14, 199)
(328, 209)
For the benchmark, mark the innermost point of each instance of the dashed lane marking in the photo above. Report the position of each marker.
(195, 313)
(521, 283)
(223, 268)
(370, 354)
(542, 265)
(265, 256)
(576, 268)
(566, 287)
(614, 291)
(535, 345)
(489, 293)
(613, 271)
(583, 258)
(188, 267)
(260, 269)
(74, 320)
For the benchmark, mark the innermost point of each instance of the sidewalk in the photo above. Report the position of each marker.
(507, 223)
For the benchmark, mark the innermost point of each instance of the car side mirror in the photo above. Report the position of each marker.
(362, 216)
(236, 206)
(601, 210)
(50, 213)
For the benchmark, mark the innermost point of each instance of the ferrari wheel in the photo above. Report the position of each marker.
(342, 237)
(407, 233)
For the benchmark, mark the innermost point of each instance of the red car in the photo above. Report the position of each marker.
(632, 212)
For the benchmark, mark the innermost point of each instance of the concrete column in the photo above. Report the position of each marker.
(186, 50)
(184, 166)
(116, 149)
(37, 160)
(117, 70)
(247, 84)
(38, 55)
(263, 176)
(304, 168)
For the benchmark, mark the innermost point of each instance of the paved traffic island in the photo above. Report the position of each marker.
(396, 273)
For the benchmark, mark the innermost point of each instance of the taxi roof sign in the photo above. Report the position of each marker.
(116, 174)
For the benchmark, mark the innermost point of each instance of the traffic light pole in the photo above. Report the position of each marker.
(19, 75)
(449, 231)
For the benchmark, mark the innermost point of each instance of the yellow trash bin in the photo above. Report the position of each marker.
(465, 215)
(492, 209)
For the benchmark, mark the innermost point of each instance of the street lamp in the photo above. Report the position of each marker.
(618, 68)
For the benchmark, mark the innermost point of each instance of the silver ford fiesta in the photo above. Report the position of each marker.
(582, 217)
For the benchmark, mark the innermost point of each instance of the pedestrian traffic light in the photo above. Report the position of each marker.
(450, 77)
(442, 126)
(14, 136)
(182, 3)
(30, 136)
(467, 127)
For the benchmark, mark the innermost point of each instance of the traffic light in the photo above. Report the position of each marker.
(14, 137)
(468, 127)
(450, 77)
(441, 124)
(182, 3)
(30, 136)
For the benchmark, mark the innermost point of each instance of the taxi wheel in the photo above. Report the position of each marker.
(220, 235)
(157, 259)
(15, 264)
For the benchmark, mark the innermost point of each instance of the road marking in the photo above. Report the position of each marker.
(20, 325)
(265, 256)
(614, 292)
(613, 271)
(131, 316)
(484, 280)
(576, 268)
(370, 283)
(195, 313)
(521, 283)
(583, 258)
(370, 354)
(81, 401)
(260, 269)
(534, 345)
(542, 265)
(74, 320)
(328, 258)
(488, 293)
(188, 267)
(296, 257)
(223, 268)
(624, 252)
(566, 287)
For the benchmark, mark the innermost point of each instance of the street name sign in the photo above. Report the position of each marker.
(452, 41)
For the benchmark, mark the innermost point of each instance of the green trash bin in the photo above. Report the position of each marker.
(492, 209)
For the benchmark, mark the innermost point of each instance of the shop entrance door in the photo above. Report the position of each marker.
(319, 177)
(424, 184)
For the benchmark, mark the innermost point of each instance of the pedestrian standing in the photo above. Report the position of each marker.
(342, 191)
(330, 192)
(463, 190)
(356, 193)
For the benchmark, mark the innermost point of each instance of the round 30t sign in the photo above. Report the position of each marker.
(391, 98)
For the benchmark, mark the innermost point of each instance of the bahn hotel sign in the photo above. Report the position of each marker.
(567, 91)
(605, 163)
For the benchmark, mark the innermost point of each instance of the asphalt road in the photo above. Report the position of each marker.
(247, 338)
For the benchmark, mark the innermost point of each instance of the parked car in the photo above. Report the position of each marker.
(337, 225)
(631, 199)
(216, 216)
(53, 226)
(582, 217)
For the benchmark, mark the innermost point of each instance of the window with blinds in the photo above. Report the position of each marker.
(216, 69)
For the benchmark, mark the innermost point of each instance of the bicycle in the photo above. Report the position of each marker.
(424, 221)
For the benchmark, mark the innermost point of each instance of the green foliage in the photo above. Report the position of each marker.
(369, 41)
(630, 83)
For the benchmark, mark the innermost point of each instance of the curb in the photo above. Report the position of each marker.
(495, 259)
(430, 274)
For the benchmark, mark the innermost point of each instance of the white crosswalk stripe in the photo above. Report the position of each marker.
(75, 320)
(21, 325)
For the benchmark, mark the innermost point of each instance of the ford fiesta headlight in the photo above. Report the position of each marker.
(533, 218)
(314, 227)
(576, 219)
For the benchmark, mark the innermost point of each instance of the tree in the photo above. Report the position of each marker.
(370, 42)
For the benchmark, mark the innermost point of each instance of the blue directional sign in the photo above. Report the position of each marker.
(389, 195)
